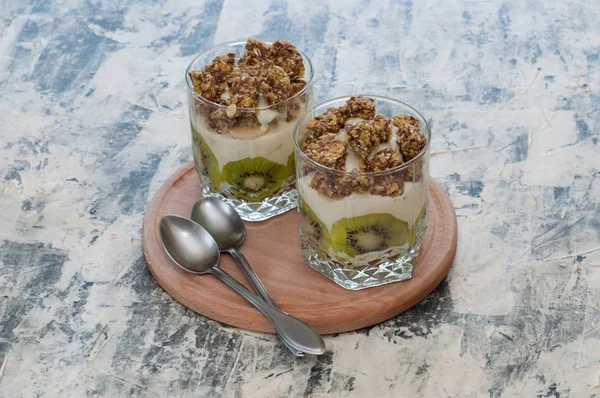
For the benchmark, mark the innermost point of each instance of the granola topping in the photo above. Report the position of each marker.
(401, 120)
(411, 144)
(264, 75)
(332, 139)
(275, 84)
(212, 81)
(362, 107)
(365, 135)
(329, 122)
(285, 55)
(256, 53)
(297, 86)
(387, 186)
(406, 125)
(243, 92)
(383, 160)
(327, 150)
(337, 187)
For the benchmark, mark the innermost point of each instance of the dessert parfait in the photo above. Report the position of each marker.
(362, 177)
(244, 100)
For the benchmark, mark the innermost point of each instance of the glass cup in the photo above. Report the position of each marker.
(248, 163)
(362, 239)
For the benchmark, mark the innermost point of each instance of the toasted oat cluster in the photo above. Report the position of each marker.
(284, 54)
(328, 151)
(331, 137)
(384, 159)
(367, 134)
(362, 107)
(275, 83)
(243, 89)
(337, 187)
(405, 119)
(256, 53)
(387, 186)
(411, 144)
(330, 122)
(274, 72)
(212, 81)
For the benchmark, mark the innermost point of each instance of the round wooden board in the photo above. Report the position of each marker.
(273, 249)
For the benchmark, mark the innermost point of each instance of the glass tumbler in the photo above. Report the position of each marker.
(249, 165)
(362, 239)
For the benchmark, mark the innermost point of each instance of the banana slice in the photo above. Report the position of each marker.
(247, 132)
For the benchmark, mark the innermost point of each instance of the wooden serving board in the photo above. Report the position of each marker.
(273, 249)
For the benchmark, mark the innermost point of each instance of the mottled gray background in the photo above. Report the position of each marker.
(93, 117)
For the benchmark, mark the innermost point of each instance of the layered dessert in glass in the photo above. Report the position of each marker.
(244, 100)
(362, 166)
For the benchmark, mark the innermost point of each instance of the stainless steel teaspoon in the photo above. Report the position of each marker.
(228, 230)
(193, 249)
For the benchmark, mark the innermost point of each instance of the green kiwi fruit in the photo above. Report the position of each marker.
(312, 226)
(205, 159)
(254, 178)
(372, 232)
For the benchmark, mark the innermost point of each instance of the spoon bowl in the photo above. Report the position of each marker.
(188, 244)
(220, 220)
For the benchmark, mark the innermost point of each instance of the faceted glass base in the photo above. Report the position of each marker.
(394, 266)
(255, 211)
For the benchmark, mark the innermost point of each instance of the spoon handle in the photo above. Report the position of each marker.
(260, 289)
(252, 277)
(296, 332)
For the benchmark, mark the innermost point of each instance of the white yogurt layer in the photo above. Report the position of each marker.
(406, 207)
(272, 142)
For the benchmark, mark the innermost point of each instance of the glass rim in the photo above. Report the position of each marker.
(191, 90)
(403, 166)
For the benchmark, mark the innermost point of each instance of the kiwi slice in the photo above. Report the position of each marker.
(205, 159)
(368, 233)
(254, 178)
(313, 227)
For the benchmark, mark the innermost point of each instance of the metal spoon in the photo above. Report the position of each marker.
(193, 249)
(228, 230)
